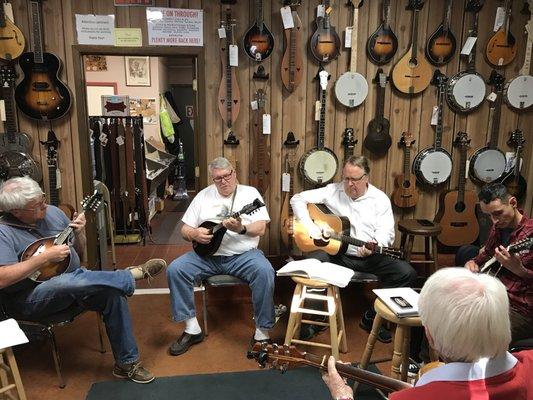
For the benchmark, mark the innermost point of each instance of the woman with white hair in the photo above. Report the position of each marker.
(466, 319)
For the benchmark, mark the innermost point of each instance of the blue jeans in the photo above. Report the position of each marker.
(250, 266)
(102, 291)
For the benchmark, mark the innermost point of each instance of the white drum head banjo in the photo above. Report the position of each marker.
(351, 88)
(319, 165)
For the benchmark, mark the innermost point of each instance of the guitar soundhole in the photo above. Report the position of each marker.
(320, 243)
(460, 206)
(406, 184)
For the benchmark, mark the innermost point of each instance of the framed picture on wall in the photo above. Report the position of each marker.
(137, 70)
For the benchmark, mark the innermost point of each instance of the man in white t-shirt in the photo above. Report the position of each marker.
(237, 254)
(371, 220)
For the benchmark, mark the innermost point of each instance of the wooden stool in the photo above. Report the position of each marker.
(8, 365)
(410, 228)
(334, 314)
(402, 337)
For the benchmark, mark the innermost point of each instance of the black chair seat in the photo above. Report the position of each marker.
(364, 277)
(58, 318)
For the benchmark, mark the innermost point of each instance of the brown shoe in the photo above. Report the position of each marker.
(134, 372)
(149, 269)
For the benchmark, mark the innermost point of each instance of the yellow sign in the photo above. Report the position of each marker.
(130, 37)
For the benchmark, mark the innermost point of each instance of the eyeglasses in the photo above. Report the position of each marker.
(353, 180)
(41, 205)
(225, 178)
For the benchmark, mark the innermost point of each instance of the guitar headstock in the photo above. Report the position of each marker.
(439, 79)
(253, 206)
(8, 75)
(415, 5)
(279, 357)
(228, 24)
(407, 139)
(516, 139)
(291, 3)
(474, 6)
(348, 138)
(524, 244)
(496, 80)
(381, 78)
(92, 202)
(260, 98)
(355, 3)
(462, 140)
(51, 144)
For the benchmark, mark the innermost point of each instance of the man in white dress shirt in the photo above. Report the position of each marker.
(371, 220)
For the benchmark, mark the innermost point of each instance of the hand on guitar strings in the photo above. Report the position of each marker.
(335, 383)
(510, 261)
(55, 254)
(315, 231)
(233, 224)
(78, 223)
(472, 266)
(365, 251)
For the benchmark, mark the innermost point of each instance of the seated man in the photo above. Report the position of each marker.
(237, 254)
(370, 213)
(28, 218)
(466, 319)
(510, 225)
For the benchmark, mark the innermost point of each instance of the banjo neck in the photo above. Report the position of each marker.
(495, 118)
(322, 121)
(438, 127)
(355, 28)
(471, 67)
(529, 45)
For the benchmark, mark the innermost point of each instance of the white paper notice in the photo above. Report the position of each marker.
(266, 124)
(233, 55)
(285, 182)
(469, 44)
(95, 29)
(11, 334)
(286, 17)
(175, 26)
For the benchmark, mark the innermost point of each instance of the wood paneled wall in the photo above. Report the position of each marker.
(295, 111)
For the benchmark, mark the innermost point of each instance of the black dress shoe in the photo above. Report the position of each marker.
(384, 336)
(182, 344)
(253, 341)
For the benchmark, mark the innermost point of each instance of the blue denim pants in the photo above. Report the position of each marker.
(102, 291)
(250, 266)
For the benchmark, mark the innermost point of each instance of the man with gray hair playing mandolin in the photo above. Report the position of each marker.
(466, 318)
(27, 295)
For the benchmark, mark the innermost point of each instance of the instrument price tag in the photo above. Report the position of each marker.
(467, 168)
(266, 124)
(221, 33)
(254, 105)
(8, 10)
(500, 17)
(492, 97)
(286, 17)
(348, 37)
(285, 182)
(435, 116)
(233, 55)
(58, 178)
(120, 140)
(469, 44)
(317, 110)
(321, 11)
(2, 110)
(103, 138)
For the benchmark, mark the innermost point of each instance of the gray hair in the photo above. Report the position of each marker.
(15, 193)
(359, 161)
(467, 314)
(220, 163)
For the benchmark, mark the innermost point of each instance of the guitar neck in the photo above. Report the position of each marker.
(414, 38)
(438, 128)
(386, 14)
(355, 242)
(36, 32)
(496, 116)
(10, 123)
(259, 20)
(527, 58)
(447, 15)
(63, 236)
(380, 101)
(52, 186)
(355, 28)
(473, 32)
(406, 161)
(292, 52)
(462, 175)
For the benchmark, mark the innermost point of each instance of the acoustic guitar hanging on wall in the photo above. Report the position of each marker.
(41, 95)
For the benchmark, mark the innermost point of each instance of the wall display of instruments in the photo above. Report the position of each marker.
(441, 45)
(488, 163)
(457, 208)
(405, 194)
(286, 214)
(433, 166)
(319, 165)
(41, 95)
(501, 47)
(15, 147)
(378, 139)
(325, 43)
(12, 41)
(466, 89)
(382, 45)
(292, 62)
(351, 88)
(514, 182)
(258, 40)
(260, 162)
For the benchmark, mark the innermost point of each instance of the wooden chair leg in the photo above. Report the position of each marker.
(369, 348)
(397, 353)
(403, 238)
(405, 352)
(435, 255)
(409, 249)
(16, 374)
(333, 333)
(343, 347)
(294, 317)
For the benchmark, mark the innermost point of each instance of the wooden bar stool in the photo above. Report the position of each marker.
(9, 371)
(334, 313)
(402, 337)
(409, 228)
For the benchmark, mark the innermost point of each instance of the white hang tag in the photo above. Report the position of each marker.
(467, 168)
(120, 140)
(500, 16)
(253, 103)
(348, 37)
(285, 182)
(221, 33)
(8, 10)
(2, 110)
(317, 110)
(286, 17)
(266, 124)
(500, 62)
(233, 55)
(321, 11)
(510, 159)
(435, 115)
(102, 137)
(468, 46)
(492, 97)
(136, 216)
(58, 178)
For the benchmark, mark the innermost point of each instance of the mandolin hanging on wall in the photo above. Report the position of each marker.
(325, 43)
(41, 95)
(441, 45)
(501, 47)
(12, 41)
(382, 45)
(258, 40)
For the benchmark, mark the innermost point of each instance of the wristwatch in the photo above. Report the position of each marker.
(243, 230)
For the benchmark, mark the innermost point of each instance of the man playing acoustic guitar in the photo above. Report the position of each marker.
(28, 218)
(236, 254)
(370, 213)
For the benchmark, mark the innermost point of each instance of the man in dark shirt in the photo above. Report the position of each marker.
(515, 270)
